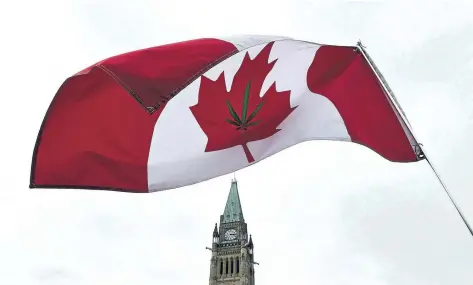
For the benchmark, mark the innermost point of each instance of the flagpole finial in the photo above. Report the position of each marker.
(360, 44)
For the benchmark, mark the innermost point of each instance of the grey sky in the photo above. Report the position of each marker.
(320, 213)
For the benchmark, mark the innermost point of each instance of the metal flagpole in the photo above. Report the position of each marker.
(421, 152)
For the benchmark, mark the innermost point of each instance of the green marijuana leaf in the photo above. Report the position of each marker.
(243, 123)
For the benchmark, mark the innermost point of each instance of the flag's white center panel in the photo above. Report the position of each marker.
(177, 155)
(242, 42)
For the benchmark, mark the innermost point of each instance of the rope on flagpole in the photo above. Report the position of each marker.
(422, 153)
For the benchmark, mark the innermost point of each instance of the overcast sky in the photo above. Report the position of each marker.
(320, 213)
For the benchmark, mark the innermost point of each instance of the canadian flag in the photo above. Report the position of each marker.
(182, 113)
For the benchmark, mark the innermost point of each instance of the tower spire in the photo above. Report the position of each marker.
(232, 252)
(233, 211)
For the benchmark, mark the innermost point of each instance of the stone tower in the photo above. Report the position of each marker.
(232, 261)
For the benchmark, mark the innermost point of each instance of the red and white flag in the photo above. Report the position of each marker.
(182, 113)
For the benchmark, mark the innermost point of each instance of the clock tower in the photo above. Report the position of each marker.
(232, 261)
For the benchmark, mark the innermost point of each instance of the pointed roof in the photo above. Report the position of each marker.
(215, 234)
(233, 211)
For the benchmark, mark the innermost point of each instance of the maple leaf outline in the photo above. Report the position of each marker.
(223, 114)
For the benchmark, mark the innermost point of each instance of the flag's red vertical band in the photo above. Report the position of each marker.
(95, 135)
(343, 76)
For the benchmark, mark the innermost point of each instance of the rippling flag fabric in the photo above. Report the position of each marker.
(181, 113)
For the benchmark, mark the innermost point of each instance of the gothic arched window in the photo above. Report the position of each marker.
(221, 266)
(226, 266)
(231, 265)
(238, 265)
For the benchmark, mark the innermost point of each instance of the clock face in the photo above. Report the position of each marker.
(230, 234)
